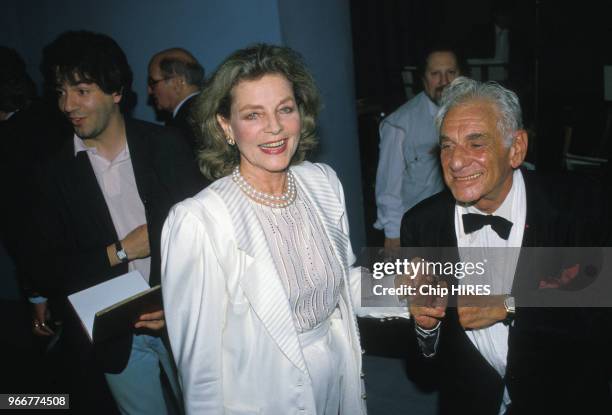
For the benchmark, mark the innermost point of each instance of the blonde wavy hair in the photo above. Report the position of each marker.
(216, 157)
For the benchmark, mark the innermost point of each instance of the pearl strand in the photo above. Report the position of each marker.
(281, 201)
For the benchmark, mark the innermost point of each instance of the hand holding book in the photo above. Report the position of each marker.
(152, 321)
(119, 305)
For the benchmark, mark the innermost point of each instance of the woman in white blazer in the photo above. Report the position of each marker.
(256, 269)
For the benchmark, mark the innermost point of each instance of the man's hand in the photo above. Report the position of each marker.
(392, 243)
(427, 317)
(478, 312)
(136, 243)
(427, 310)
(152, 321)
(40, 316)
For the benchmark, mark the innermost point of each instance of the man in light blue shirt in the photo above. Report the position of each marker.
(409, 167)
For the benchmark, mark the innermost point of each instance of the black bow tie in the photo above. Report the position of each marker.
(475, 221)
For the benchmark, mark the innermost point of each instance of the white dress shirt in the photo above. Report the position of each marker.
(492, 342)
(408, 165)
(180, 104)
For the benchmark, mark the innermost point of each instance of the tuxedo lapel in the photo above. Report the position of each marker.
(530, 232)
(538, 209)
(261, 282)
(447, 236)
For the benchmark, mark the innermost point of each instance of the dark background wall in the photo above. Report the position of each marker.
(557, 55)
(356, 50)
(211, 29)
(328, 48)
(559, 49)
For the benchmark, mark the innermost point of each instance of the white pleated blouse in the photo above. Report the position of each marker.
(304, 259)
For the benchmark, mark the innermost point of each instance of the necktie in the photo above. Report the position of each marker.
(475, 221)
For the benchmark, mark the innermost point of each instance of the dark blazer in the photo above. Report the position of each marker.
(557, 359)
(184, 123)
(76, 226)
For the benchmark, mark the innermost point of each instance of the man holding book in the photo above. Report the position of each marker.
(105, 197)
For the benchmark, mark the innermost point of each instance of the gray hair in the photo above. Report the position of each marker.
(463, 90)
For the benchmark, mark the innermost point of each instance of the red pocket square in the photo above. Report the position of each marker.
(566, 277)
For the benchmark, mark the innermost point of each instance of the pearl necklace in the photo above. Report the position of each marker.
(281, 201)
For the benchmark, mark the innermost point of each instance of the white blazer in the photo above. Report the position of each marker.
(228, 317)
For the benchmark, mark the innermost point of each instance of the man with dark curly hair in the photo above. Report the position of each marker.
(106, 195)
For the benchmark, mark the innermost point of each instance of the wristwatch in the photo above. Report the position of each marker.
(121, 254)
(509, 305)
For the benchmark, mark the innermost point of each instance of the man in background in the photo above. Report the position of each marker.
(408, 167)
(175, 79)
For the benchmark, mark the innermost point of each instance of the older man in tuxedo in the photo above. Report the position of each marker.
(495, 357)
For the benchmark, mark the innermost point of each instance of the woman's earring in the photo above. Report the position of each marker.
(230, 141)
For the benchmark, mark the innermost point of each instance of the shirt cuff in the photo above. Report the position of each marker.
(393, 233)
(39, 299)
(428, 339)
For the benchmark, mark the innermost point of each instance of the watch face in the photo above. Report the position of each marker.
(509, 303)
(121, 255)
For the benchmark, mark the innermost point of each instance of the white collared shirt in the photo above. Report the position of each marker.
(492, 342)
(180, 104)
(118, 184)
(409, 163)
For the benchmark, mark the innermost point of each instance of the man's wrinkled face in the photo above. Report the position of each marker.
(476, 162)
(441, 70)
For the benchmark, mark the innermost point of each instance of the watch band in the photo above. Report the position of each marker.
(510, 305)
(510, 310)
(121, 254)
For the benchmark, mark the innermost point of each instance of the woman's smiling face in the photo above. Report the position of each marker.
(265, 123)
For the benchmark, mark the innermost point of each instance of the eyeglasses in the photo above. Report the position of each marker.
(152, 82)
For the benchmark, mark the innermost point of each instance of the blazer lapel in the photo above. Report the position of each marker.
(139, 156)
(89, 189)
(261, 282)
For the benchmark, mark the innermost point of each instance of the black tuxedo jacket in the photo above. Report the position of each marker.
(76, 226)
(183, 122)
(558, 358)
